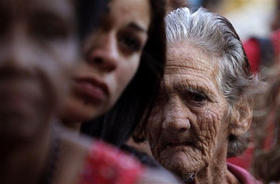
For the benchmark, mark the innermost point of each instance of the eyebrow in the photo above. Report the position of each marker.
(197, 89)
(136, 27)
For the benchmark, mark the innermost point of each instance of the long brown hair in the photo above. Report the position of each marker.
(118, 124)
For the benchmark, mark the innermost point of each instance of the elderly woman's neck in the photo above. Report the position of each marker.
(216, 172)
(217, 175)
(24, 162)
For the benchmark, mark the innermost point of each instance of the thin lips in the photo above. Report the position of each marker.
(94, 82)
(172, 144)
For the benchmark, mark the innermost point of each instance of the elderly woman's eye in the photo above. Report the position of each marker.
(129, 43)
(198, 98)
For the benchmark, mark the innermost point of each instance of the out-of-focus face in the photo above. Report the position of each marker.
(37, 46)
(113, 54)
(187, 131)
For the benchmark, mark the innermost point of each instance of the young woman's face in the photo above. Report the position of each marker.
(112, 58)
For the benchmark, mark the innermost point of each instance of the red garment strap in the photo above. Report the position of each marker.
(108, 165)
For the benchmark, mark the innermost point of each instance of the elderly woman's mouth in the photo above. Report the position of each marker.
(180, 144)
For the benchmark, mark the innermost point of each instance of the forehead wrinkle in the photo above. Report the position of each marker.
(182, 61)
(186, 54)
(183, 68)
(204, 85)
(197, 68)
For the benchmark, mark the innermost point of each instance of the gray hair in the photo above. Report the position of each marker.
(215, 35)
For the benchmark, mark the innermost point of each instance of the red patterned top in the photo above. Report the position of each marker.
(108, 165)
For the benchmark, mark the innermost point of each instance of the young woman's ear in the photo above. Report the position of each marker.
(241, 118)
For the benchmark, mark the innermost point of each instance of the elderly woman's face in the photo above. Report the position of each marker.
(37, 45)
(187, 130)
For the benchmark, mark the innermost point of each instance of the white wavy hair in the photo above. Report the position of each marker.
(215, 35)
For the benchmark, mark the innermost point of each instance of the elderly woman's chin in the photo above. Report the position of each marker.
(185, 161)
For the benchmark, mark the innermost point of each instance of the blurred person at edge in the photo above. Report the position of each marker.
(39, 46)
(203, 111)
(267, 119)
(262, 53)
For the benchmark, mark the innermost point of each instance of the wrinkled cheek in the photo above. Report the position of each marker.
(208, 130)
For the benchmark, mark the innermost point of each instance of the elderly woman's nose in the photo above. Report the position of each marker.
(104, 55)
(177, 117)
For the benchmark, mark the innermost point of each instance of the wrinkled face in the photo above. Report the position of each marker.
(112, 58)
(37, 46)
(186, 130)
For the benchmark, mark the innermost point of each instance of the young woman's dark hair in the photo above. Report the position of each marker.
(89, 13)
(134, 105)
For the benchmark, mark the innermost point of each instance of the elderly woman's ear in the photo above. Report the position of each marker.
(241, 118)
